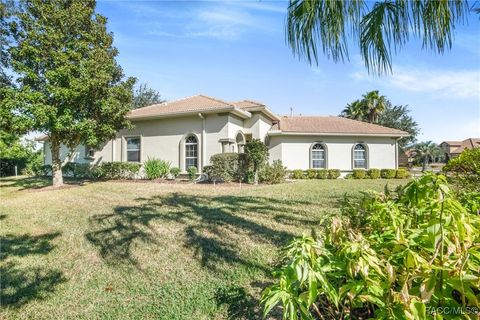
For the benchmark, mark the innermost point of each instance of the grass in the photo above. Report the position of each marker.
(130, 250)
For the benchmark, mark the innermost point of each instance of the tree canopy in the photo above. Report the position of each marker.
(379, 28)
(376, 108)
(144, 96)
(67, 83)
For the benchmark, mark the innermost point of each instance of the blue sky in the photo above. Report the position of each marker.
(236, 50)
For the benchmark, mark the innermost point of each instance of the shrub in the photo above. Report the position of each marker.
(359, 174)
(156, 168)
(388, 173)
(322, 174)
(42, 171)
(175, 171)
(464, 171)
(311, 173)
(373, 173)
(192, 173)
(349, 176)
(384, 256)
(132, 170)
(107, 170)
(257, 155)
(274, 173)
(227, 167)
(298, 174)
(333, 173)
(402, 173)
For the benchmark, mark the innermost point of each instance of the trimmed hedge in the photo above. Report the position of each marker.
(373, 173)
(322, 174)
(402, 173)
(298, 174)
(333, 173)
(359, 174)
(311, 173)
(388, 173)
(273, 173)
(227, 167)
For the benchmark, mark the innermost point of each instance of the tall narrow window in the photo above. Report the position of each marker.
(359, 157)
(318, 156)
(133, 149)
(191, 152)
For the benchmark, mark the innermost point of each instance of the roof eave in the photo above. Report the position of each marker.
(265, 110)
(345, 134)
(241, 113)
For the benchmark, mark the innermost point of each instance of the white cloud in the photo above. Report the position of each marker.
(459, 83)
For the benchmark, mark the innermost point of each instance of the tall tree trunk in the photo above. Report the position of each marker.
(255, 175)
(424, 164)
(56, 162)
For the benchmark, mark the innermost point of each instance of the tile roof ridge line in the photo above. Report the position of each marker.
(165, 103)
(215, 99)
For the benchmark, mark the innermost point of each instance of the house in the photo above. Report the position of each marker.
(187, 132)
(452, 149)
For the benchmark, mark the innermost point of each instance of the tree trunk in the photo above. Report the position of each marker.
(255, 175)
(424, 164)
(57, 176)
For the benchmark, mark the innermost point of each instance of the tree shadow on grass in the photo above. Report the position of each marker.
(23, 245)
(240, 304)
(19, 285)
(210, 224)
(27, 182)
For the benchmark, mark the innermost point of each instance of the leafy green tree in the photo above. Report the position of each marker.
(15, 153)
(374, 104)
(68, 84)
(355, 110)
(144, 96)
(379, 27)
(426, 151)
(398, 117)
(257, 154)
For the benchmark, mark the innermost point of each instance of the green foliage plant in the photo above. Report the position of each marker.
(402, 173)
(388, 255)
(388, 173)
(311, 173)
(333, 173)
(298, 174)
(359, 174)
(373, 173)
(174, 172)
(322, 174)
(257, 155)
(273, 173)
(156, 168)
(192, 173)
(464, 171)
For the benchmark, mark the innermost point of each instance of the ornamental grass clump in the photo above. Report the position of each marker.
(391, 255)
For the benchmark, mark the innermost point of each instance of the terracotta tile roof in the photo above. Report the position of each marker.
(185, 105)
(332, 125)
(469, 143)
(246, 104)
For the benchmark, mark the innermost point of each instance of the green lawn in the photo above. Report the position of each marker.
(131, 250)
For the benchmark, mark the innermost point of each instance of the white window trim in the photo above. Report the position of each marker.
(367, 156)
(185, 144)
(325, 154)
(125, 151)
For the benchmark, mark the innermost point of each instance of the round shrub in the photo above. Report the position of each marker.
(228, 167)
(359, 174)
(174, 172)
(373, 173)
(333, 173)
(192, 173)
(388, 173)
(273, 173)
(402, 173)
(311, 174)
(322, 174)
(297, 174)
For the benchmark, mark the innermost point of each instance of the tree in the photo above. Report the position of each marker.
(355, 110)
(374, 104)
(15, 153)
(378, 27)
(427, 151)
(398, 117)
(257, 154)
(68, 84)
(144, 96)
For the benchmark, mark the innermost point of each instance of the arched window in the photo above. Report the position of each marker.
(360, 156)
(240, 140)
(318, 156)
(191, 152)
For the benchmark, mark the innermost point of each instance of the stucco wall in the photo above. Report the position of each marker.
(258, 125)
(294, 151)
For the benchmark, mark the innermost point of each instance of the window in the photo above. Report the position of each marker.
(133, 149)
(318, 156)
(359, 156)
(191, 152)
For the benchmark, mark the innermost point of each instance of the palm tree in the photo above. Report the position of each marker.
(355, 110)
(378, 27)
(426, 151)
(375, 104)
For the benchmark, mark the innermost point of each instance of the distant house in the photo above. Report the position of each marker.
(187, 132)
(453, 149)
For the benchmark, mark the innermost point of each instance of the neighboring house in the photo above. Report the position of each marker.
(453, 149)
(187, 132)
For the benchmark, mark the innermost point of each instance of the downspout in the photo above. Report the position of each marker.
(396, 153)
(204, 142)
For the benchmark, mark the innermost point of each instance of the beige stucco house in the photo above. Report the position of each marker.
(453, 149)
(187, 132)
